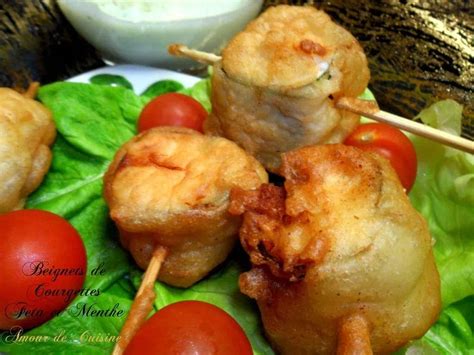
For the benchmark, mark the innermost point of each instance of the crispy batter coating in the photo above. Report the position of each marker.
(284, 47)
(26, 132)
(275, 88)
(342, 255)
(171, 187)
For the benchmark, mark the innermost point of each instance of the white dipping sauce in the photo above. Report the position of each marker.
(163, 10)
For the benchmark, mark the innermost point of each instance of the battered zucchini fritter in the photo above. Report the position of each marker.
(171, 187)
(341, 260)
(275, 88)
(26, 132)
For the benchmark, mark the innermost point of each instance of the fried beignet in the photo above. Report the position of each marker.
(341, 260)
(275, 88)
(26, 132)
(171, 187)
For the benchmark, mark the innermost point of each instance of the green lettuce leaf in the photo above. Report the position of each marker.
(201, 91)
(161, 87)
(445, 115)
(444, 194)
(453, 334)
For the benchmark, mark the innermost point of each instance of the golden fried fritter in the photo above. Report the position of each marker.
(275, 88)
(171, 187)
(341, 260)
(26, 132)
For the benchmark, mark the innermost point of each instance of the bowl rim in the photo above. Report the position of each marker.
(92, 5)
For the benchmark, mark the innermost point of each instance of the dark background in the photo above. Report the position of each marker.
(419, 51)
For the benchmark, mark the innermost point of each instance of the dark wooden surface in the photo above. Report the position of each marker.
(38, 44)
(419, 51)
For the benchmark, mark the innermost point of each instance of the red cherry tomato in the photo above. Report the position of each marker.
(391, 143)
(190, 327)
(43, 267)
(172, 109)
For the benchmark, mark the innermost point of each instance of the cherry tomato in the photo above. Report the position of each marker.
(172, 109)
(190, 327)
(391, 143)
(43, 267)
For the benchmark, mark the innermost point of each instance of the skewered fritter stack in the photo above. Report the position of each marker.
(276, 85)
(341, 260)
(170, 187)
(26, 132)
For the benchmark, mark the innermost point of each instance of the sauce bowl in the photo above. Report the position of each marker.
(139, 32)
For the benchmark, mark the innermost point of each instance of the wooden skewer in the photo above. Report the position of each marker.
(353, 336)
(32, 90)
(143, 302)
(180, 50)
(361, 107)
